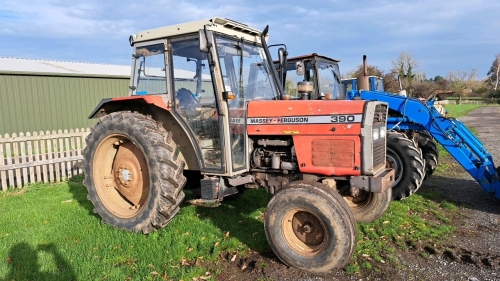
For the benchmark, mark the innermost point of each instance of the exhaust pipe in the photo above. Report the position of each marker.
(363, 81)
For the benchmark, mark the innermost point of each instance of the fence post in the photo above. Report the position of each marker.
(3, 177)
(38, 172)
(67, 155)
(15, 148)
(31, 169)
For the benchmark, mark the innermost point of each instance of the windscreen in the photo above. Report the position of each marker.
(245, 69)
(329, 80)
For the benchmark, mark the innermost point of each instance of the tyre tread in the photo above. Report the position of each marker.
(166, 177)
(413, 164)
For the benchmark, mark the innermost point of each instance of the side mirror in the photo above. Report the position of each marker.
(282, 55)
(203, 41)
(299, 66)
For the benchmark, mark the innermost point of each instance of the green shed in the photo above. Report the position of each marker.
(40, 95)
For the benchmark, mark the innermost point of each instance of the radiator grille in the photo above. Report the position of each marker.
(379, 154)
(333, 153)
(379, 120)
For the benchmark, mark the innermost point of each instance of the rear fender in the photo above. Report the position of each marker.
(137, 103)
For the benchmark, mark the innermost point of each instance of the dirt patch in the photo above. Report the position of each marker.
(471, 253)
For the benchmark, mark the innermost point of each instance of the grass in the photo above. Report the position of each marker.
(49, 232)
(458, 110)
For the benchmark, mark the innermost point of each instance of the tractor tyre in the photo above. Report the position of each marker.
(407, 161)
(429, 152)
(133, 175)
(310, 227)
(369, 206)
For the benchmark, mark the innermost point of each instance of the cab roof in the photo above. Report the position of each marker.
(217, 24)
(311, 56)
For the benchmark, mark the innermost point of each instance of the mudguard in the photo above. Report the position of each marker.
(108, 105)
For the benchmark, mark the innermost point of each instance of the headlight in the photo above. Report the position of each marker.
(375, 134)
(383, 132)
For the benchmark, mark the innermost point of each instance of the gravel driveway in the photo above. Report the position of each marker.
(472, 253)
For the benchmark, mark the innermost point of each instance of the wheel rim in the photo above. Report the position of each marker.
(121, 176)
(359, 201)
(304, 232)
(393, 161)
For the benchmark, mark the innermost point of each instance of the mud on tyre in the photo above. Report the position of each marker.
(132, 173)
(310, 227)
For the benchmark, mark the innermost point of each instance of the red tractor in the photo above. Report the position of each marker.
(204, 96)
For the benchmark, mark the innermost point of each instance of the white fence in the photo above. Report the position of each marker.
(40, 157)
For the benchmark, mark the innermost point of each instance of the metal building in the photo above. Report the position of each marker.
(40, 95)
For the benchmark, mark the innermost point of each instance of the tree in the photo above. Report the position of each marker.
(494, 73)
(429, 88)
(437, 78)
(423, 89)
(391, 83)
(404, 65)
(371, 69)
(461, 81)
(441, 83)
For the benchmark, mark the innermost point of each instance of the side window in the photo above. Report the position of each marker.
(150, 67)
(192, 79)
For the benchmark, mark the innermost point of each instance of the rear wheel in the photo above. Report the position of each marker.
(132, 173)
(429, 152)
(369, 206)
(310, 227)
(406, 159)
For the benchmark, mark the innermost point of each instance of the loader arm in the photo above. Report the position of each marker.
(452, 134)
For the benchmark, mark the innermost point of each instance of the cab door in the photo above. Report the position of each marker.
(195, 102)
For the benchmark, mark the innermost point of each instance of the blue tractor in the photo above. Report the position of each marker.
(413, 127)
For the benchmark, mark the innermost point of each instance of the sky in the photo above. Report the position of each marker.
(443, 36)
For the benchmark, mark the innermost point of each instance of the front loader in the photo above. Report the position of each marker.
(413, 124)
(204, 96)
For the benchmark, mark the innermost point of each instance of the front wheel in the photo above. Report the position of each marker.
(132, 173)
(369, 206)
(310, 227)
(406, 159)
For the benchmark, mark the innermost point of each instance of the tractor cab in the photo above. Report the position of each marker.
(312, 77)
(205, 71)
